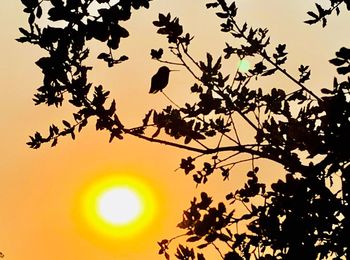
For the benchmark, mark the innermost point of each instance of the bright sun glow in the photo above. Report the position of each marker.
(119, 205)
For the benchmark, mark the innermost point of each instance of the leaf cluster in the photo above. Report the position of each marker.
(323, 12)
(65, 74)
(301, 216)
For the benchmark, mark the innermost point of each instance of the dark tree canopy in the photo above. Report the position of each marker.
(302, 216)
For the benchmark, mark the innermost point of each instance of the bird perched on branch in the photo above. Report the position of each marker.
(160, 79)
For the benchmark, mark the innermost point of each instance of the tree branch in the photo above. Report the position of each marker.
(265, 56)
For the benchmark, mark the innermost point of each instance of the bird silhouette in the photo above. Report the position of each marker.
(160, 80)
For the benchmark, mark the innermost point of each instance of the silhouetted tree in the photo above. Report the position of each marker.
(303, 216)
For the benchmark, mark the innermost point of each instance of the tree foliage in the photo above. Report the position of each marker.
(304, 215)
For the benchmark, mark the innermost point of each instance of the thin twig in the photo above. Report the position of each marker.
(217, 249)
(235, 129)
(171, 63)
(171, 101)
(189, 56)
(228, 157)
(240, 161)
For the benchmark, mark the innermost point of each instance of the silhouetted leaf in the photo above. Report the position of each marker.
(39, 12)
(203, 245)
(67, 124)
(103, 56)
(326, 91)
(193, 239)
(312, 14)
(343, 70)
(157, 54)
(222, 15)
(212, 5)
(54, 143)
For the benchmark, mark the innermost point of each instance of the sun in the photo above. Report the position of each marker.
(117, 206)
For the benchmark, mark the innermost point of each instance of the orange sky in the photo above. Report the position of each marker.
(38, 188)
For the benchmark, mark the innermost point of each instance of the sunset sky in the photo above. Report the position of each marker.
(41, 191)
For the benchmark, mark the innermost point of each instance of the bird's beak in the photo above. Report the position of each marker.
(174, 70)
